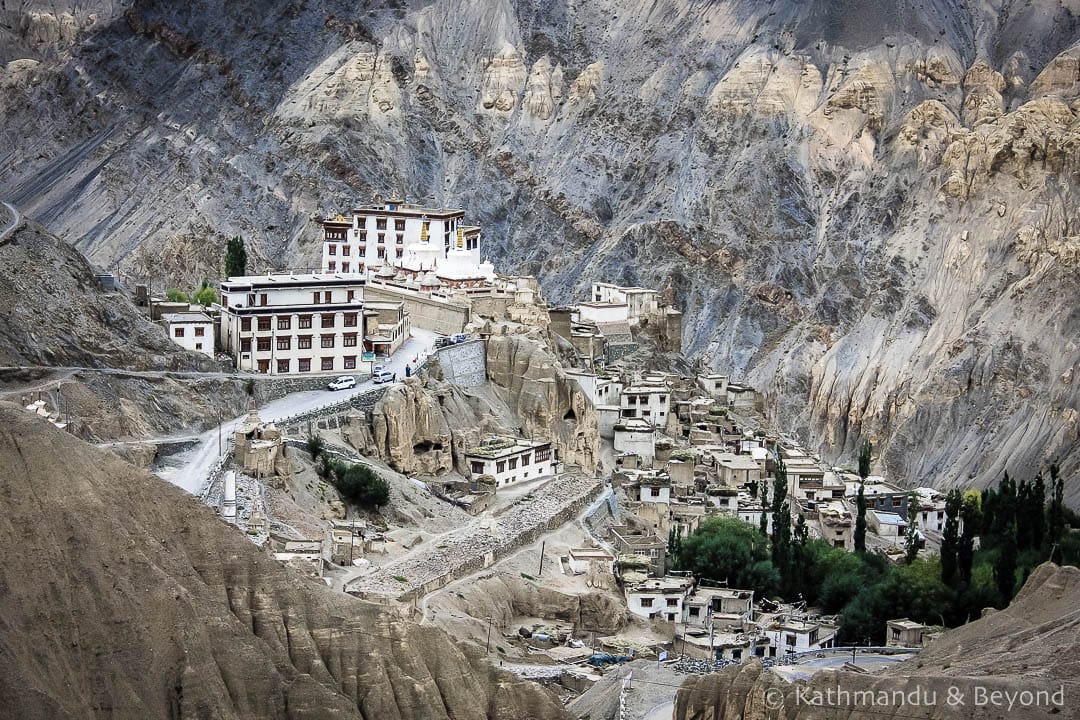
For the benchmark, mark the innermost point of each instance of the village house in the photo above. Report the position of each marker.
(190, 330)
(387, 326)
(626, 541)
(905, 633)
(880, 495)
(651, 403)
(304, 555)
(583, 560)
(659, 597)
(715, 385)
(510, 460)
(722, 604)
(637, 437)
(889, 526)
(792, 636)
(835, 524)
(294, 323)
(931, 514)
(259, 447)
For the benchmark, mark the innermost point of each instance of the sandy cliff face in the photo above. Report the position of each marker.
(125, 597)
(867, 209)
(1030, 646)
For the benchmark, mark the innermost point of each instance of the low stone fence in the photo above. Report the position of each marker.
(332, 415)
(216, 472)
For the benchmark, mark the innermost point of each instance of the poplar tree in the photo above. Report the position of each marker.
(235, 257)
(860, 519)
(950, 541)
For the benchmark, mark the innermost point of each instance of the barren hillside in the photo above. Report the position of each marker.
(124, 597)
(867, 209)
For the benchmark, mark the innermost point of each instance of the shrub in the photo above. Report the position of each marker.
(174, 295)
(314, 445)
(362, 486)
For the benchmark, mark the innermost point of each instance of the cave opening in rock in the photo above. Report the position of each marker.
(569, 415)
(426, 446)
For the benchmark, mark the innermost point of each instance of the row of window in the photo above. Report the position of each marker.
(303, 322)
(180, 332)
(304, 364)
(648, 602)
(643, 399)
(303, 342)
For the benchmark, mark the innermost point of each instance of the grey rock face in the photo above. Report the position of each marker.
(866, 209)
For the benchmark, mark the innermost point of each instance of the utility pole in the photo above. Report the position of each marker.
(543, 544)
(487, 640)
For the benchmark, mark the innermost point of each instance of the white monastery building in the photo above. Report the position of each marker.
(294, 323)
(418, 243)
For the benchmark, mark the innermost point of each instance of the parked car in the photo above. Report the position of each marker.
(342, 383)
(376, 369)
(459, 338)
(442, 342)
(384, 377)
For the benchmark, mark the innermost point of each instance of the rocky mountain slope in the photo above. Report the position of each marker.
(52, 312)
(124, 597)
(867, 209)
(1029, 646)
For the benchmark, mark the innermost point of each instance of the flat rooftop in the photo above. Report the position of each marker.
(185, 317)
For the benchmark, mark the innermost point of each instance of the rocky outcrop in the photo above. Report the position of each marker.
(126, 597)
(504, 598)
(997, 653)
(537, 390)
(424, 425)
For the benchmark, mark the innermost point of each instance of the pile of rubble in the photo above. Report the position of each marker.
(482, 541)
(695, 666)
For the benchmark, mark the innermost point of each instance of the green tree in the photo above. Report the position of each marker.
(314, 445)
(177, 296)
(950, 540)
(1005, 565)
(360, 485)
(235, 257)
(1037, 511)
(781, 534)
(971, 517)
(763, 521)
(205, 295)
(911, 535)
(860, 519)
(864, 459)
(726, 548)
(674, 548)
(1055, 518)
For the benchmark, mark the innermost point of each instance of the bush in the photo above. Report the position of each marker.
(174, 295)
(360, 485)
(314, 445)
(205, 296)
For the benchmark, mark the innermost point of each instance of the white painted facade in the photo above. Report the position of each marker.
(651, 403)
(799, 637)
(294, 324)
(511, 460)
(637, 437)
(580, 560)
(602, 313)
(640, 302)
(191, 331)
(405, 236)
(662, 598)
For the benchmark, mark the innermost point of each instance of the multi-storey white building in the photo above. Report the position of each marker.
(510, 460)
(640, 302)
(413, 239)
(651, 403)
(191, 331)
(294, 324)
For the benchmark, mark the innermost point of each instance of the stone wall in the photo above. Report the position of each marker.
(424, 312)
(464, 364)
(333, 415)
(269, 387)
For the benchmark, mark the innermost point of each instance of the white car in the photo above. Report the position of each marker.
(342, 383)
(377, 370)
(383, 377)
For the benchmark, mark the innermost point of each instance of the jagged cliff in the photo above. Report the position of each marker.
(124, 597)
(1029, 646)
(426, 424)
(867, 209)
